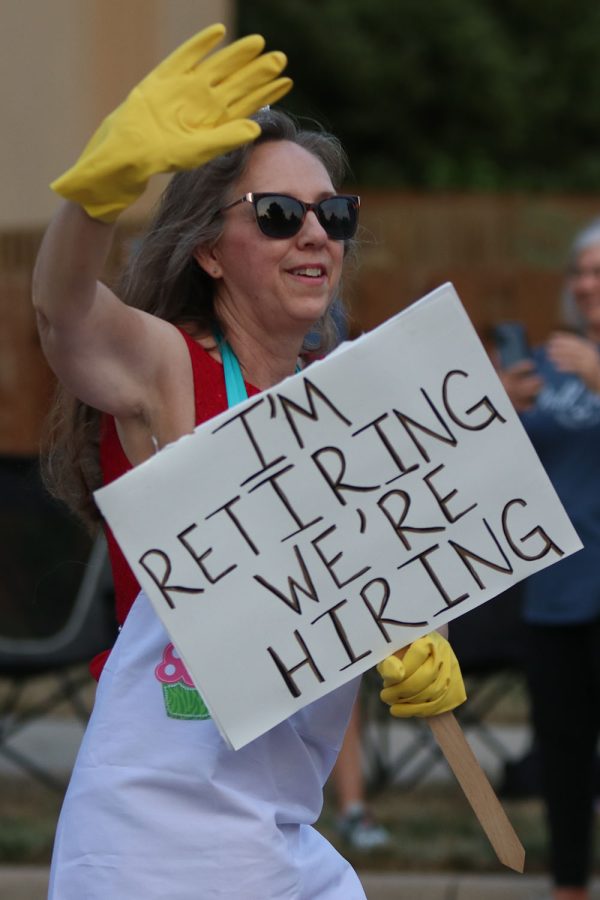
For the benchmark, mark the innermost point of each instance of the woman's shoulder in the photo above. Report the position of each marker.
(198, 338)
(202, 347)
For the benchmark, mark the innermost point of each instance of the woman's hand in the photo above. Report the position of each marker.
(521, 383)
(425, 680)
(579, 355)
(189, 109)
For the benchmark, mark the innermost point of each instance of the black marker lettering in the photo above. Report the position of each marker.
(290, 407)
(443, 500)
(294, 587)
(330, 563)
(335, 481)
(397, 520)
(227, 507)
(342, 635)
(161, 581)
(485, 403)
(547, 545)
(465, 555)
(381, 586)
(397, 460)
(423, 559)
(199, 558)
(286, 673)
(411, 426)
(280, 493)
(243, 417)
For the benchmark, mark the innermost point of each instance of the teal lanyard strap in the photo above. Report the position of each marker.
(234, 380)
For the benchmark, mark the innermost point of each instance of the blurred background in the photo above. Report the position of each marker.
(473, 131)
(472, 127)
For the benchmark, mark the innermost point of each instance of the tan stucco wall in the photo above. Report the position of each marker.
(64, 64)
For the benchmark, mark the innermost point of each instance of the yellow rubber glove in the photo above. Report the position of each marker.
(426, 681)
(188, 110)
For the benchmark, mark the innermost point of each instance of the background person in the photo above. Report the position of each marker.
(218, 298)
(558, 393)
(355, 822)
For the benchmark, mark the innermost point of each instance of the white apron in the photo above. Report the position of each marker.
(159, 807)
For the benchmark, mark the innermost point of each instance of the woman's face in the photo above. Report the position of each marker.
(584, 282)
(281, 285)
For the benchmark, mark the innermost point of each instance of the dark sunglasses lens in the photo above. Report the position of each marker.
(278, 216)
(339, 217)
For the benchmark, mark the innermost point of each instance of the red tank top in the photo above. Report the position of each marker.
(210, 399)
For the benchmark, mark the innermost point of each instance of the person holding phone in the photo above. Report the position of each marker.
(557, 392)
(512, 354)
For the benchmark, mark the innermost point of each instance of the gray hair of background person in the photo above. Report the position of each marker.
(587, 237)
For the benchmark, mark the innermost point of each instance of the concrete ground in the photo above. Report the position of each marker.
(31, 883)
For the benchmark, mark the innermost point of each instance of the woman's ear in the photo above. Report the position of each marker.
(206, 259)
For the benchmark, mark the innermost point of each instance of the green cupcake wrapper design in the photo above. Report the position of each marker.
(183, 702)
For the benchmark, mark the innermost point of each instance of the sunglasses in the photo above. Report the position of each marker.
(282, 216)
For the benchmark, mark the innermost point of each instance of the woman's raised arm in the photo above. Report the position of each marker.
(192, 107)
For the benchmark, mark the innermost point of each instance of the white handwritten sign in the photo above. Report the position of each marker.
(297, 539)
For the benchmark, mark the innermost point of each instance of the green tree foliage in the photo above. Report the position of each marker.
(468, 94)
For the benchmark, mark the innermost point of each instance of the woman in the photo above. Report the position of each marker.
(562, 606)
(232, 274)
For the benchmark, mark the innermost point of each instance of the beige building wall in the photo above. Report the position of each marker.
(64, 64)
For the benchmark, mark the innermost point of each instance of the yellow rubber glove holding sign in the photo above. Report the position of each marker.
(424, 680)
(189, 109)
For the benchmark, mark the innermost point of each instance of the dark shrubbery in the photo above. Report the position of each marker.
(447, 94)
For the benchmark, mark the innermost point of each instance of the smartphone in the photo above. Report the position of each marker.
(511, 343)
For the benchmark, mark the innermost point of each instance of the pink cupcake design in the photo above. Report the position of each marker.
(182, 700)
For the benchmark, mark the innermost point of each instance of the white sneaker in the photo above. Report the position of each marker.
(360, 831)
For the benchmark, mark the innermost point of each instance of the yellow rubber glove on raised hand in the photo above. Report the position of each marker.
(185, 112)
(426, 681)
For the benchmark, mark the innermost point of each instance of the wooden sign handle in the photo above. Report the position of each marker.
(478, 790)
